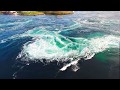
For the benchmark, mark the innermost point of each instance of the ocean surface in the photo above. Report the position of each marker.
(83, 45)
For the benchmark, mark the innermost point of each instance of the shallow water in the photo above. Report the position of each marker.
(82, 45)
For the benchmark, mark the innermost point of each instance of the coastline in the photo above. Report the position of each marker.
(35, 13)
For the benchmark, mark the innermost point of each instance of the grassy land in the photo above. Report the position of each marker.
(32, 13)
(58, 12)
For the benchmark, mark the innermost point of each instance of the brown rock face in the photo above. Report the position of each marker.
(10, 12)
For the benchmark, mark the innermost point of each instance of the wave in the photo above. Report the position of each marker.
(100, 24)
(14, 23)
(69, 43)
(51, 45)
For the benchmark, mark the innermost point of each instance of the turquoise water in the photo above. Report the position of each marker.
(66, 39)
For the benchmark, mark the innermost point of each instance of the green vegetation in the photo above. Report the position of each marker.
(58, 12)
(29, 13)
(32, 13)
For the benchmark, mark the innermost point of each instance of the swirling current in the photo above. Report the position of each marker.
(65, 39)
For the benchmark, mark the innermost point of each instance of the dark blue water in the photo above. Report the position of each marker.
(84, 45)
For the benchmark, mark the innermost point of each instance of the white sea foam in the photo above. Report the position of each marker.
(68, 65)
(52, 46)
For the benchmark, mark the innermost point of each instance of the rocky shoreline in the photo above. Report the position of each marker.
(9, 12)
(34, 13)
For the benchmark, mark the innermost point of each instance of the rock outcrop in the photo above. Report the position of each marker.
(9, 12)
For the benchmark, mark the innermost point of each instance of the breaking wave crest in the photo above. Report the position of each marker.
(67, 43)
(52, 45)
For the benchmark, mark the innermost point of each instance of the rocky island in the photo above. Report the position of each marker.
(34, 13)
